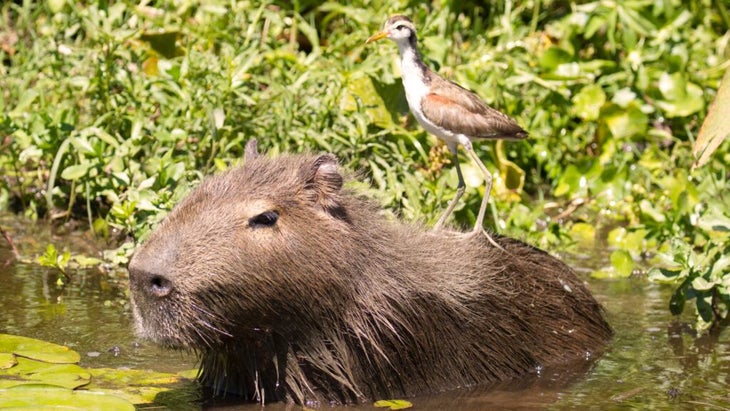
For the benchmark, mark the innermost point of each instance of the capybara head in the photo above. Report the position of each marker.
(291, 287)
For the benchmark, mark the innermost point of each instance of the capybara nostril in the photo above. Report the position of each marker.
(160, 286)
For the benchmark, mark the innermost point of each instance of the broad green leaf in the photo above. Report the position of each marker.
(648, 210)
(714, 220)
(553, 57)
(37, 349)
(29, 371)
(622, 263)
(716, 126)
(50, 398)
(362, 91)
(569, 182)
(584, 234)
(588, 102)
(82, 145)
(164, 43)
(625, 123)
(76, 171)
(690, 102)
(393, 404)
(663, 275)
(7, 360)
(701, 284)
(633, 241)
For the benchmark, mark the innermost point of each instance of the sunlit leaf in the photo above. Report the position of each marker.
(553, 57)
(583, 233)
(77, 171)
(625, 123)
(29, 371)
(716, 126)
(622, 263)
(701, 284)
(714, 220)
(37, 349)
(7, 360)
(588, 102)
(164, 43)
(363, 91)
(648, 209)
(393, 404)
(49, 398)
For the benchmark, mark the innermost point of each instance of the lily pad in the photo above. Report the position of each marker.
(32, 372)
(7, 360)
(144, 387)
(53, 398)
(37, 349)
(622, 263)
(393, 404)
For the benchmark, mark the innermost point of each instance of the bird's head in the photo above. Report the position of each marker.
(398, 28)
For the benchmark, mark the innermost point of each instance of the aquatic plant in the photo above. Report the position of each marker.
(111, 111)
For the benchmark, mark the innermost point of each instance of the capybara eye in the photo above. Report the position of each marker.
(266, 219)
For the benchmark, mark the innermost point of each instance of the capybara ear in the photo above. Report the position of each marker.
(323, 183)
(251, 150)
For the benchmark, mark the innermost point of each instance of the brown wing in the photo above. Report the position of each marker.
(455, 108)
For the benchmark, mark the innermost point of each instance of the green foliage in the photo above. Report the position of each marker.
(700, 274)
(112, 111)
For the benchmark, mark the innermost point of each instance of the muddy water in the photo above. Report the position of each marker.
(654, 361)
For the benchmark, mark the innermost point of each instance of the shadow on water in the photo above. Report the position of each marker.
(653, 362)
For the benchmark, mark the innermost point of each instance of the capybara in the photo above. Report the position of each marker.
(291, 287)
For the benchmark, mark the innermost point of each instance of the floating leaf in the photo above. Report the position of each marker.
(50, 398)
(28, 371)
(716, 126)
(623, 264)
(7, 360)
(393, 404)
(584, 234)
(141, 387)
(37, 349)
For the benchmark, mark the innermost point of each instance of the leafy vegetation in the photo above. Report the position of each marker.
(37, 374)
(111, 111)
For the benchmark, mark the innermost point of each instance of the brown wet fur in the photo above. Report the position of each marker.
(335, 303)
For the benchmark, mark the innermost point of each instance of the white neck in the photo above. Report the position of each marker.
(410, 62)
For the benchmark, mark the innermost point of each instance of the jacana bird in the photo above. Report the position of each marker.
(447, 110)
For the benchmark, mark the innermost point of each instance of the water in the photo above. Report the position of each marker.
(653, 362)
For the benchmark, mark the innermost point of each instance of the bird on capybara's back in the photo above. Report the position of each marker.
(291, 287)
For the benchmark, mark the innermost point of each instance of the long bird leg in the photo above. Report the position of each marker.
(487, 188)
(459, 190)
(479, 226)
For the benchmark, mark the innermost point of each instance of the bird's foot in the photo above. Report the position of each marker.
(479, 230)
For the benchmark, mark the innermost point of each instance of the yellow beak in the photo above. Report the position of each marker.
(376, 37)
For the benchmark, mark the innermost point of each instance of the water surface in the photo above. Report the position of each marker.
(653, 362)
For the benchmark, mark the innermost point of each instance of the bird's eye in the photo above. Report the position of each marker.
(265, 219)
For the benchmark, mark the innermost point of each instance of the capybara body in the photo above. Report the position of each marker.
(291, 287)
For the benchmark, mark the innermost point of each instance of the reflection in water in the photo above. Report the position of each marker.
(91, 314)
(653, 362)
